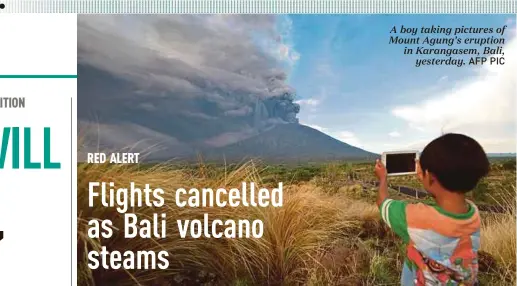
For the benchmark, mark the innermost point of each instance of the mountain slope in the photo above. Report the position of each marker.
(289, 143)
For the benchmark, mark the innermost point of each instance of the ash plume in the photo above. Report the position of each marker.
(193, 79)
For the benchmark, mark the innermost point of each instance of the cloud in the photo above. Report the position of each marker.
(309, 102)
(185, 52)
(394, 134)
(482, 106)
(416, 127)
(312, 104)
(192, 77)
(417, 144)
(490, 145)
(347, 137)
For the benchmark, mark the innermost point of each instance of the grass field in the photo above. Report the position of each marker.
(327, 233)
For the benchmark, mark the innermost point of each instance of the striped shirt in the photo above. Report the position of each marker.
(441, 246)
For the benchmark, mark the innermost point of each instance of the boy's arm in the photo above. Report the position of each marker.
(382, 175)
(382, 195)
(393, 213)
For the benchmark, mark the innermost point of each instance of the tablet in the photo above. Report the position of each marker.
(400, 163)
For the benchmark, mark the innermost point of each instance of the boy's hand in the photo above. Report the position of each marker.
(380, 170)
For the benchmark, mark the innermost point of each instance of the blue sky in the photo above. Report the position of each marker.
(353, 85)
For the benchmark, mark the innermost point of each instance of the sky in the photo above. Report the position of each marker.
(214, 80)
(355, 86)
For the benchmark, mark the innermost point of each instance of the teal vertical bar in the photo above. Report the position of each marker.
(16, 148)
(47, 163)
(5, 142)
(28, 164)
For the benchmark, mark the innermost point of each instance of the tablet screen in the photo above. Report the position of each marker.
(400, 163)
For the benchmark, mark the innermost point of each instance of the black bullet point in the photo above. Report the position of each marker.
(2, 5)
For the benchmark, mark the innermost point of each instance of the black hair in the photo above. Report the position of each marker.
(457, 161)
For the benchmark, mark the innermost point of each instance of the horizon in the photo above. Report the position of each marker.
(418, 149)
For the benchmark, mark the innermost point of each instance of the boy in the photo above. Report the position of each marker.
(443, 237)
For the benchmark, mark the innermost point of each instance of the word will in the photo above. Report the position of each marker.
(12, 134)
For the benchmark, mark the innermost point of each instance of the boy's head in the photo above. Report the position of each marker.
(453, 162)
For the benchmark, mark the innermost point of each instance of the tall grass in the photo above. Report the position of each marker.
(294, 235)
(498, 237)
(317, 238)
